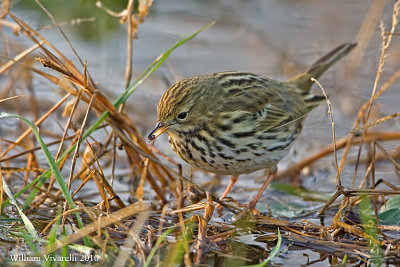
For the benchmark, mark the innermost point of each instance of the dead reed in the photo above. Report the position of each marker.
(158, 227)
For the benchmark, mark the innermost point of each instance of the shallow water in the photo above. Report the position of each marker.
(274, 38)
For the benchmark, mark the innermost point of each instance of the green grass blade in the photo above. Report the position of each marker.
(40, 180)
(64, 251)
(49, 157)
(28, 239)
(52, 238)
(176, 253)
(28, 224)
(344, 261)
(157, 63)
(370, 227)
(53, 166)
(272, 254)
(155, 248)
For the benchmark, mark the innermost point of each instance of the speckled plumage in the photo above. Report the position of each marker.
(236, 122)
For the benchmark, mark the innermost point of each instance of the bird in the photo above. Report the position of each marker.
(235, 122)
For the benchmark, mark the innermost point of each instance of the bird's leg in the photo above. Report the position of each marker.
(230, 185)
(253, 203)
(226, 192)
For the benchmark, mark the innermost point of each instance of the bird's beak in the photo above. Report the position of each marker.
(158, 130)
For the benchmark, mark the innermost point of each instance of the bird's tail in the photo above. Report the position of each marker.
(303, 80)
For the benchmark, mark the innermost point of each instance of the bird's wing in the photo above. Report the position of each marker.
(267, 103)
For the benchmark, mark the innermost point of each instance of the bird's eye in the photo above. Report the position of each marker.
(182, 115)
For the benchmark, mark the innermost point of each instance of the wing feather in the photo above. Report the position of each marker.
(271, 104)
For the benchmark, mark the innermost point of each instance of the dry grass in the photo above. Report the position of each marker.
(86, 149)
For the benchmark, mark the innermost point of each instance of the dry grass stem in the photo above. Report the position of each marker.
(328, 102)
(132, 197)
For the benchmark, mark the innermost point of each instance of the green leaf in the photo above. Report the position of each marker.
(390, 212)
(390, 217)
(289, 210)
(393, 203)
(301, 192)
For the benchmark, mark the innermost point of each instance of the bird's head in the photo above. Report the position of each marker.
(181, 107)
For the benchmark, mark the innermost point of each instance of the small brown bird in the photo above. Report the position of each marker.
(237, 122)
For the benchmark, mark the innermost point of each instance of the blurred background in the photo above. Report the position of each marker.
(275, 38)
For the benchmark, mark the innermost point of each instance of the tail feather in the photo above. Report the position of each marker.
(303, 80)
